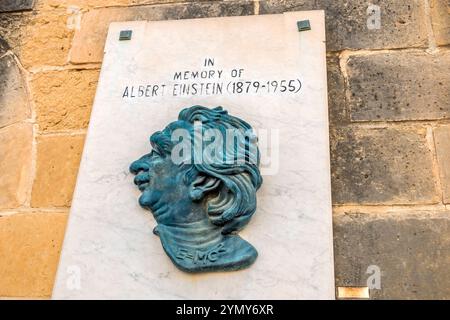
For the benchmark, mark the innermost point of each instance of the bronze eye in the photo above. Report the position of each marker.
(155, 153)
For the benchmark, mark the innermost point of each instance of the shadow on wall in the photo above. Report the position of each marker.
(3, 47)
(13, 94)
(4, 76)
(16, 5)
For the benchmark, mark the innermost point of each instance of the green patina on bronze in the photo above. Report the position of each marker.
(201, 205)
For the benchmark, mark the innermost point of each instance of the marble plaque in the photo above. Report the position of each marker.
(268, 70)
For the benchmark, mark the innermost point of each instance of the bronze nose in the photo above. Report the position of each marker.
(139, 165)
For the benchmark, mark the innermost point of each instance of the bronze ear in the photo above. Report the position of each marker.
(202, 185)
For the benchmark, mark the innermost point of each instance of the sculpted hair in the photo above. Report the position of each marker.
(234, 201)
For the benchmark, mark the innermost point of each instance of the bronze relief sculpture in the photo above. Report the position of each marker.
(200, 182)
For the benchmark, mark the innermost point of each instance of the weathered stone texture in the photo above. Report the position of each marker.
(440, 19)
(412, 251)
(399, 86)
(4, 47)
(47, 39)
(64, 99)
(381, 166)
(16, 5)
(52, 4)
(403, 23)
(89, 41)
(58, 158)
(15, 164)
(336, 91)
(12, 30)
(442, 141)
(14, 104)
(29, 252)
(38, 37)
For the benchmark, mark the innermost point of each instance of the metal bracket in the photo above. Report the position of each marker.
(303, 25)
(125, 35)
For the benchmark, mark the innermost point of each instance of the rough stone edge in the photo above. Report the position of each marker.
(26, 8)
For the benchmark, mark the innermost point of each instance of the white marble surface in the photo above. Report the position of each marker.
(109, 250)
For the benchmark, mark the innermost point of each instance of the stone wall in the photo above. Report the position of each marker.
(389, 102)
